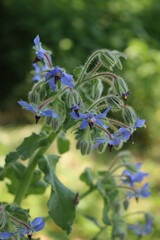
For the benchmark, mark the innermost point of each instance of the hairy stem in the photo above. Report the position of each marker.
(46, 56)
(117, 123)
(19, 221)
(106, 131)
(27, 178)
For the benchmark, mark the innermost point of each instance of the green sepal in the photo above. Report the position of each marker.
(120, 86)
(27, 147)
(114, 101)
(61, 204)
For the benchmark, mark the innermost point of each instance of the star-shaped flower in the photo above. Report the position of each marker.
(130, 177)
(141, 230)
(90, 119)
(56, 74)
(140, 192)
(36, 225)
(38, 112)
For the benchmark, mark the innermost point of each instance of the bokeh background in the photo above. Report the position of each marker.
(73, 29)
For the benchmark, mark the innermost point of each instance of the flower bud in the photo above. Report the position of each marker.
(107, 59)
(129, 115)
(55, 124)
(33, 98)
(120, 86)
(86, 148)
(126, 203)
(97, 89)
(72, 98)
(114, 101)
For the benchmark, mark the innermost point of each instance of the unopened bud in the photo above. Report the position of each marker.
(129, 115)
(55, 124)
(33, 98)
(101, 147)
(126, 203)
(72, 98)
(48, 120)
(120, 86)
(114, 101)
(97, 89)
(107, 59)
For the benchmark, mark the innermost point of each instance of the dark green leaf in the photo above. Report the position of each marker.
(61, 203)
(17, 212)
(28, 146)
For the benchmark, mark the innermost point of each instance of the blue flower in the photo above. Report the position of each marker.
(57, 74)
(40, 52)
(130, 177)
(124, 133)
(139, 123)
(141, 230)
(76, 109)
(90, 119)
(140, 192)
(36, 225)
(114, 140)
(38, 112)
(5, 235)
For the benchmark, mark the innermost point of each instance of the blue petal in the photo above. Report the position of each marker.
(104, 114)
(52, 84)
(37, 221)
(99, 121)
(41, 54)
(36, 78)
(37, 68)
(49, 113)
(56, 70)
(114, 142)
(67, 80)
(27, 106)
(84, 124)
(36, 40)
(139, 123)
(99, 142)
(90, 115)
(5, 235)
(74, 116)
(40, 227)
(50, 73)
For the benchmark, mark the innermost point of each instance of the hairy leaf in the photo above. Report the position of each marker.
(28, 146)
(63, 144)
(61, 204)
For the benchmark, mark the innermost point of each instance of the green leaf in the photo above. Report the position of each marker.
(63, 144)
(15, 173)
(28, 146)
(61, 203)
(17, 212)
(86, 177)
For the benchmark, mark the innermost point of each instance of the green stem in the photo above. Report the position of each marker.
(36, 86)
(27, 178)
(119, 166)
(87, 192)
(87, 64)
(113, 163)
(117, 123)
(98, 101)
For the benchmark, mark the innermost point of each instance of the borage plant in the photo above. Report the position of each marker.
(82, 103)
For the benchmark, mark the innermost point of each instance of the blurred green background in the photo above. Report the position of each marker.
(73, 29)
